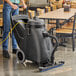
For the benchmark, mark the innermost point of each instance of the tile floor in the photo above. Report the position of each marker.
(10, 67)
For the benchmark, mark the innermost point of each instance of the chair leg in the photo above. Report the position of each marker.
(73, 43)
(51, 31)
(1, 30)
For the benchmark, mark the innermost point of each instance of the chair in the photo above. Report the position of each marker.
(49, 27)
(47, 9)
(69, 25)
(1, 20)
(58, 4)
(31, 14)
(1, 5)
(67, 32)
(51, 23)
(51, 1)
(73, 4)
(1, 25)
(53, 6)
(40, 11)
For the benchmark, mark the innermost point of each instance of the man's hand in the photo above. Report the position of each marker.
(14, 6)
(24, 5)
(11, 4)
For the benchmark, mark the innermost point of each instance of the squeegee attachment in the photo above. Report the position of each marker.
(50, 66)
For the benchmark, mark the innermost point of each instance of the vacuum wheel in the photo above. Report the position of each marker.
(20, 56)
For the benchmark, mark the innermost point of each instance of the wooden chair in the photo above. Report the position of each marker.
(49, 27)
(47, 9)
(1, 19)
(40, 11)
(1, 6)
(69, 25)
(52, 24)
(58, 4)
(64, 33)
(31, 14)
(51, 1)
(73, 4)
(53, 6)
(1, 26)
(54, 21)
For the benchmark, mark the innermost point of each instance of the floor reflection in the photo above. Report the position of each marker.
(6, 67)
(12, 68)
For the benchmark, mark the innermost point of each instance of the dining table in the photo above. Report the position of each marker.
(59, 14)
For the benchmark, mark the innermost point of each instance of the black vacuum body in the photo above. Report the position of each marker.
(33, 40)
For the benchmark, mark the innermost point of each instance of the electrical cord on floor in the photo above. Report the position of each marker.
(1, 42)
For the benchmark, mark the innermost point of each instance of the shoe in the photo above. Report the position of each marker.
(6, 54)
(14, 51)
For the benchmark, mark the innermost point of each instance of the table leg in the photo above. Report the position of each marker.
(58, 26)
(57, 23)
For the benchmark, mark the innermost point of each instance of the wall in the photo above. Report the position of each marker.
(38, 1)
(73, 0)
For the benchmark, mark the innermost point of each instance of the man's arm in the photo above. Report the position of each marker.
(24, 5)
(11, 4)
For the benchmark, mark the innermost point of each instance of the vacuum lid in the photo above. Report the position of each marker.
(36, 22)
(19, 17)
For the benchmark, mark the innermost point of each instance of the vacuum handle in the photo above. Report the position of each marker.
(45, 34)
(56, 44)
(20, 6)
(24, 10)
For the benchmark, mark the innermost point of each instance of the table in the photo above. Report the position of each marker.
(58, 14)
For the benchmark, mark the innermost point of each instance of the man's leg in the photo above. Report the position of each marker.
(6, 23)
(14, 43)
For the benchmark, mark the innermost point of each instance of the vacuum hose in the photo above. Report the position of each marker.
(45, 34)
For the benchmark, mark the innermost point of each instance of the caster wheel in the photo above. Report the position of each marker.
(20, 56)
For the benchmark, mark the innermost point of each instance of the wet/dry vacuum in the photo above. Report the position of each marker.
(35, 43)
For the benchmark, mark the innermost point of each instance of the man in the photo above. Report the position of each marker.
(10, 5)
